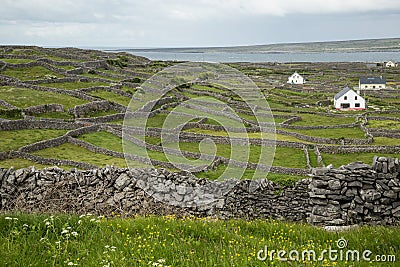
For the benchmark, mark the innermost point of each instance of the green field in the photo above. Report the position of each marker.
(33, 73)
(24, 97)
(12, 140)
(69, 240)
(74, 85)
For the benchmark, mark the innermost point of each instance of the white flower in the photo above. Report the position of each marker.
(161, 260)
(74, 234)
(47, 223)
(65, 231)
(58, 242)
(81, 216)
(8, 218)
(80, 221)
(25, 225)
(42, 239)
(70, 263)
(15, 219)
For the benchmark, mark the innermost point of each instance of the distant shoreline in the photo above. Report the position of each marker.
(368, 45)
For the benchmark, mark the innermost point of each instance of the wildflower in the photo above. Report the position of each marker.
(25, 225)
(42, 239)
(81, 216)
(75, 234)
(8, 218)
(80, 221)
(47, 223)
(65, 231)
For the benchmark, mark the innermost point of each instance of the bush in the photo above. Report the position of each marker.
(11, 114)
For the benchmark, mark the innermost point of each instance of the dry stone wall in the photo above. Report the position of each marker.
(352, 194)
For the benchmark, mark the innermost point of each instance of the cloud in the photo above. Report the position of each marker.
(182, 22)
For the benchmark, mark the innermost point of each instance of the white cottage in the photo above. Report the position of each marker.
(390, 64)
(347, 99)
(372, 83)
(296, 78)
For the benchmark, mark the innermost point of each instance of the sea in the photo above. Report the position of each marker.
(219, 57)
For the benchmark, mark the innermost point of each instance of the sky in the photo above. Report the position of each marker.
(193, 23)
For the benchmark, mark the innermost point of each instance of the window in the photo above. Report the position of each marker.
(357, 105)
(345, 97)
(344, 105)
(355, 98)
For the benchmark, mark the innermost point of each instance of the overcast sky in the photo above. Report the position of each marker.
(182, 23)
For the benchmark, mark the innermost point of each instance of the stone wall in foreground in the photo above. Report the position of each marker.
(352, 194)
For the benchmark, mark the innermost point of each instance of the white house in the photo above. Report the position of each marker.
(390, 64)
(372, 83)
(347, 99)
(296, 78)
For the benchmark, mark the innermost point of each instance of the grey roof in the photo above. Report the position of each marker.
(341, 93)
(373, 80)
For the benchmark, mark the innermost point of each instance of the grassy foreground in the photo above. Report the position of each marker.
(63, 240)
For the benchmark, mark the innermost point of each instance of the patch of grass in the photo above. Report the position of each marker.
(12, 140)
(284, 179)
(386, 141)
(333, 133)
(279, 137)
(110, 96)
(314, 120)
(24, 97)
(74, 85)
(23, 163)
(67, 67)
(128, 89)
(16, 60)
(39, 240)
(32, 73)
(385, 124)
(91, 75)
(222, 172)
(112, 142)
(72, 152)
(284, 156)
(208, 88)
(11, 114)
(338, 160)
